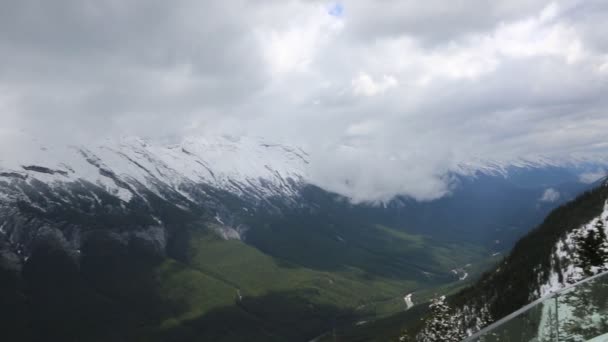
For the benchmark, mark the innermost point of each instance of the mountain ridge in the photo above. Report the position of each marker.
(547, 259)
(245, 166)
(184, 214)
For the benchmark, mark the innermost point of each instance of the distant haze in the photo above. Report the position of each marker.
(388, 96)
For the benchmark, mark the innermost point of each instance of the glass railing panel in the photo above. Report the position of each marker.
(577, 313)
(583, 311)
(536, 324)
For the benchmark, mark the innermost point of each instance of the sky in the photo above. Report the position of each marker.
(389, 94)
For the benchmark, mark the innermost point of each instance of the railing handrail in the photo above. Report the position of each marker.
(529, 306)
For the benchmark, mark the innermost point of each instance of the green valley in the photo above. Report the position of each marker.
(246, 286)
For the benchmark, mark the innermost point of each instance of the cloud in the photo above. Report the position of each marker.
(365, 85)
(550, 195)
(294, 47)
(387, 97)
(336, 10)
(592, 176)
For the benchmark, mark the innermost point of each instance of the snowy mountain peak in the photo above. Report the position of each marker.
(242, 166)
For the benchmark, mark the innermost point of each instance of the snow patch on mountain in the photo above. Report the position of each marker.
(242, 166)
(503, 167)
(567, 254)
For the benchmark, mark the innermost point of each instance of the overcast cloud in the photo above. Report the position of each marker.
(387, 95)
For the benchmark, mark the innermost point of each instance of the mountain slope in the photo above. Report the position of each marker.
(116, 237)
(568, 246)
(166, 241)
(132, 184)
(538, 262)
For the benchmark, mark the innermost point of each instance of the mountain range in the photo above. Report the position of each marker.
(216, 238)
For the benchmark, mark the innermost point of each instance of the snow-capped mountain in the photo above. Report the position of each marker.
(136, 200)
(138, 188)
(242, 166)
(223, 179)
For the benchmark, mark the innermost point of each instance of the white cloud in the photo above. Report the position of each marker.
(293, 48)
(363, 128)
(592, 176)
(550, 195)
(388, 101)
(473, 56)
(365, 85)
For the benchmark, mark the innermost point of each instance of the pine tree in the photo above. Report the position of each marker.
(442, 325)
(483, 318)
(592, 249)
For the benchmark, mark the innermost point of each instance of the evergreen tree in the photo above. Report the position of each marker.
(442, 324)
(592, 249)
